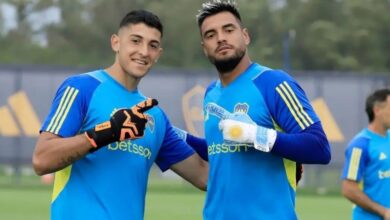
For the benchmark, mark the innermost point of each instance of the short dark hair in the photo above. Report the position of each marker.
(215, 7)
(373, 99)
(142, 16)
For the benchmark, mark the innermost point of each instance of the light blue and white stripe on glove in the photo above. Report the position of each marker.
(238, 127)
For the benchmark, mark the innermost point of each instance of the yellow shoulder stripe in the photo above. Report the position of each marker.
(299, 103)
(63, 109)
(354, 162)
(294, 106)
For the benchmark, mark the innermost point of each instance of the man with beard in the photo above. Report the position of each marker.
(258, 125)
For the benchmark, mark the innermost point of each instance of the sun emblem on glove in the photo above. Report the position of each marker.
(235, 131)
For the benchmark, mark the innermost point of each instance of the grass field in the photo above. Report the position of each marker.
(163, 203)
(189, 207)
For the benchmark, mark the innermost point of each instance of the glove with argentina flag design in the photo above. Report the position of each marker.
(238, 127)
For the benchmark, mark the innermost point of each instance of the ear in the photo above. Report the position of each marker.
(204, 49)
(377, 108)
(115, 43)
(159, 54)
(245, 33)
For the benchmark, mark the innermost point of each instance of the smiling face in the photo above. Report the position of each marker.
(137, 48)
(224, 41)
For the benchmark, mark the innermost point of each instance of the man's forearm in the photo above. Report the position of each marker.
(309, 147)
(53, 153)
(362, 200)
(352, 192)
(199, 145)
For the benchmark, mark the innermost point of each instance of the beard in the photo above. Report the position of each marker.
(228, 64)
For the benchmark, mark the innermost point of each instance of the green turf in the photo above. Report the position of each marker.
(24, 203)
(323, 207)
(163, 204)
(188, 206)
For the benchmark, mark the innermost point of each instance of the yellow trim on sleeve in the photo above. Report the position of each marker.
(354, 162)
(66, 111)
(294, 105)
(290, 108)
(58, 108)
(299, 103)
(63, 109)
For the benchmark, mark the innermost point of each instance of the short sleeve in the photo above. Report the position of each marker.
(173, 149)
(356, 156)
(70, 105)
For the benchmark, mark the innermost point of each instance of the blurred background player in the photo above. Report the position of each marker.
(258, 124)
(366, 174)
(100, 148)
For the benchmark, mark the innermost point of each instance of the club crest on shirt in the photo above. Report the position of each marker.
(150, 123)
(241, 107)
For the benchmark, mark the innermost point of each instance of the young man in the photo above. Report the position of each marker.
(258, 125)
(366, 174)
(100, 148)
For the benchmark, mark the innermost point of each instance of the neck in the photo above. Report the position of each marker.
(228, 77)
(378, 128)
(123, 78)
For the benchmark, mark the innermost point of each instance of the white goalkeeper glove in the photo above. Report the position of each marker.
(240, 128)
(234, 130)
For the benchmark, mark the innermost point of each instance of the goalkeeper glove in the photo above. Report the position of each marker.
(123, 124)
(240, 128)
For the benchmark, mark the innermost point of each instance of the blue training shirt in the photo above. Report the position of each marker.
(366, 162)
(111, 182)
(245, 183)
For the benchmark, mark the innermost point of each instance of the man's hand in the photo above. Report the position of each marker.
(124, 124)
(240, 128)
